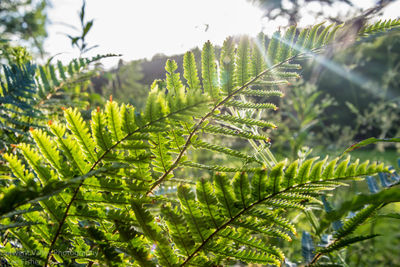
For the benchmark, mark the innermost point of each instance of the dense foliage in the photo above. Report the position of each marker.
(23, 20)
(107, 187)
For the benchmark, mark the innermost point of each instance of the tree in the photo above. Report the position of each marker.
(24, 19)
(123, 83)
(292, 9)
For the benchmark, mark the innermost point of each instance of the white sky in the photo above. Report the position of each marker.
(141, 28)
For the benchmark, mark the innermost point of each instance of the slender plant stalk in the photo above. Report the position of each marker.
(197, 127)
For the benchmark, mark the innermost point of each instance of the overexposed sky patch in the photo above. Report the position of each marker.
(139, 29)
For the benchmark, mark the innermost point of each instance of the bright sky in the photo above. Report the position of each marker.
(139, 29)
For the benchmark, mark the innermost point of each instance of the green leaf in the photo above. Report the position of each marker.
(81, 133)
(174, 83)
(241, 188)
(258, 55)
(290, 174)
(304, 171)
(114, 122)
(242, 70)
(383, 197)
(284, 51)
(350, 225)
(190, 71)
(371, 140)
(209, 71)
(273, 47)
(48, 149)
(275, 177)
(194, 217)
(345, 243)
(178, 229)
(227, 63)
(259, 184)
(98, 126)
(224, 194)
(208, 202)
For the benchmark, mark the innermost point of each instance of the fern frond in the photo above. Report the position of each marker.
(304, 170)
(114, 122)
(312, 37)
(227, 63)
(258, 55)
(350, 225)
(208, 202)
(81, 133)
(36, 162)
(242, 204)
(317, 170)
(102, 139)
(48, 149)
(246, 255)
(248, 105)
(96, 183)
(379, 26)
(288, 179)
(153, 232)
(345, 242)
(190, 71)
(174, 83)
(161, 151)
(224, 150)
(209, 71)
(136, 246)
(329, 169)
(178, 228)
(193, 215)
(224, 194)
(70, 148)
(241, 188)
(217, 168)
(273, 47)
(252, 242)
(273, 218)
(18, 168)
(301, 39)
(245, 121)
(286, 43)
(263, 228)
(262, 93)
(224, 131)
(275, 177)
(242, 70)
(27, 89)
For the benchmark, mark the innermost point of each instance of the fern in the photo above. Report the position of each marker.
(94, 185)
(29, 93)
(238, 206)
(379, 26)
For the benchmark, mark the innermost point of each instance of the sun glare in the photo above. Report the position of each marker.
(142, 29)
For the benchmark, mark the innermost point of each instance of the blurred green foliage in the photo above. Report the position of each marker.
(25, 21)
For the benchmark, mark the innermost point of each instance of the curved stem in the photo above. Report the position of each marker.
(232, 219)
(178, 158)
(61, 223)
(204, 118)
(217, 230)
